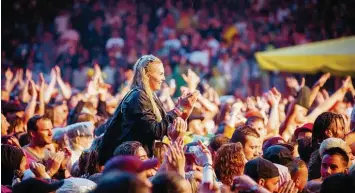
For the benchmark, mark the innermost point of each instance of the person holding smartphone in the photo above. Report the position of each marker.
(141, 116)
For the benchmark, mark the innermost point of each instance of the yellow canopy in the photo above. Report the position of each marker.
(336, 56)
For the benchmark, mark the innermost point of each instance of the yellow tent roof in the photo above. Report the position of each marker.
(336, 56)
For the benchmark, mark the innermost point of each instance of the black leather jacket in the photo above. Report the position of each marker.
(134, 120)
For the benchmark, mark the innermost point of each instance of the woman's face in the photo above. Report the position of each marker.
(156, 76)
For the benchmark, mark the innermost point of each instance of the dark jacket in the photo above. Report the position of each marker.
(134, 120)
(314, 166)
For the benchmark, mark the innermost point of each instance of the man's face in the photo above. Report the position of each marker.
(259, 126)
(4, 125)
(252, 147)
(300, 178)
(141, 153)
(44, 132)
(271, 184)
(156, 76)
(332, 165)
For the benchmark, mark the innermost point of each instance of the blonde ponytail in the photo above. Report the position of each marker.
(141, 80)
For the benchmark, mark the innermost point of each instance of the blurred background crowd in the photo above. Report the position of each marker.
(66, 65)
(217, 39)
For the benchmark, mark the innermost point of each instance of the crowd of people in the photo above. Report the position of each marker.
(217, 39)
(84, 108)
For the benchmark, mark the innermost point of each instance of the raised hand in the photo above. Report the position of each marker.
(347, 84)
(176, 158)
(66, 159)
(92, 88)
(57, 72)
(203, 156)
(98, 74)
(186, 103)
(42, 82)
(19, 77)
(33, 90)
(322, 80)
(192, 79)
(28, 74)
(54, 163)
(39, 170)
(177, 129)
(273, 97)
(9, 74)
(292, 83)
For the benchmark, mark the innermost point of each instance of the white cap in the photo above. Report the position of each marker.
(333, 142)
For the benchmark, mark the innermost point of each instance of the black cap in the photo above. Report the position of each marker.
(278, 154)
(260, 168)
(37, 186)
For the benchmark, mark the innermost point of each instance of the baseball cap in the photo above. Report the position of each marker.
(333, 142)
(277, 141)
(308, 127)
(260, 168)
(278, 154)
(129, 164)
(37, 186)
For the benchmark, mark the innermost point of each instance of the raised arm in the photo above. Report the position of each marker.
(66, 91)
(31, 106)
(328, 103)
(273, 97)
(316, 87)
(25, 97)
(41, 94)
(50, 88)
(10, 81)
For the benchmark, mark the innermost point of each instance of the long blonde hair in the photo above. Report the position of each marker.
(141, 80)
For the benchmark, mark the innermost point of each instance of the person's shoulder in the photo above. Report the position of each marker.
(136, 96)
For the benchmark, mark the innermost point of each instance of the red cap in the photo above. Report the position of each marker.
(129, 164)
(308, 127)
(277, 141)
